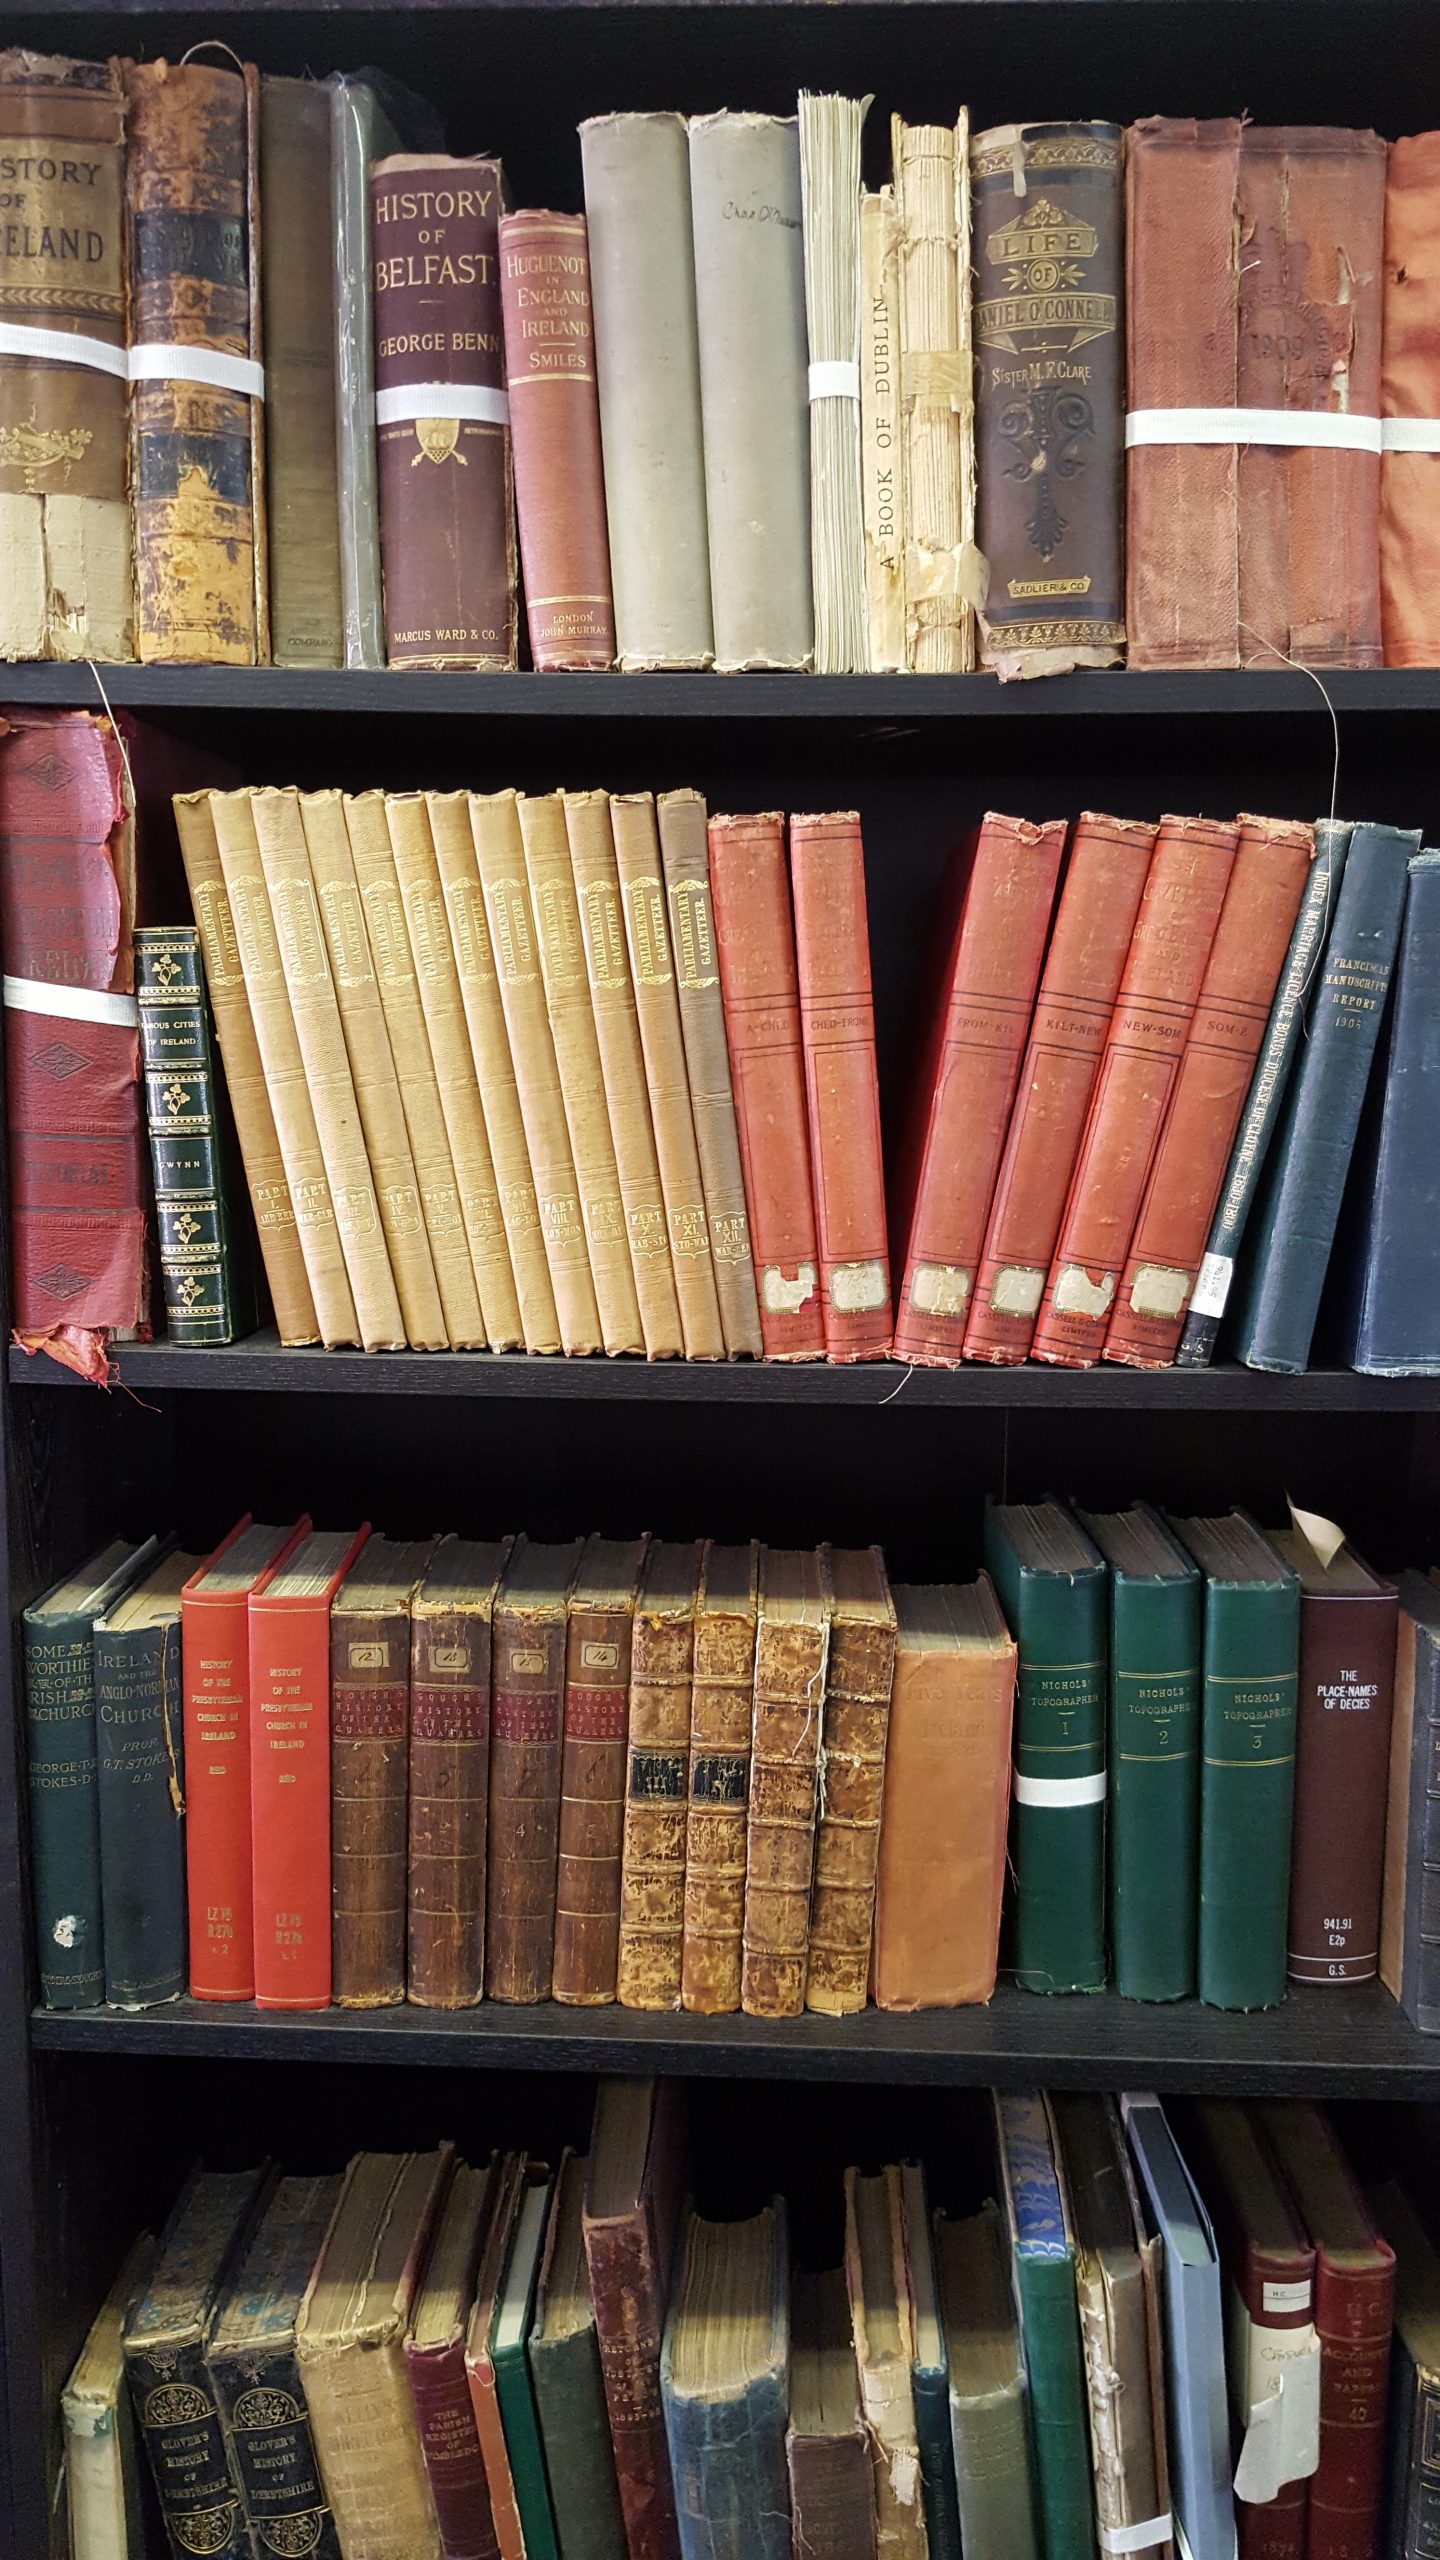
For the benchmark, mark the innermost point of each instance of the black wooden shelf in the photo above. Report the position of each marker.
(1347, 2042)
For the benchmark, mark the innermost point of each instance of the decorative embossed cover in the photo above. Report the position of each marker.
(255, 2380)
(165, 2333)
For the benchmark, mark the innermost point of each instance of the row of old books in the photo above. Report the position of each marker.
(325, 1765)
(753, 415)
(428, 2360)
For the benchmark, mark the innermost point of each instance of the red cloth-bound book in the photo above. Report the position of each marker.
(215, 1660)
(290, 1767)
(837, 1024)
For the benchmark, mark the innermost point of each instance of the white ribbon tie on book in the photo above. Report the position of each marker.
(1058, 1793)
(1135, 2537)
(1334, 430)
(70, 1004)
(410, 400)
(158, 361)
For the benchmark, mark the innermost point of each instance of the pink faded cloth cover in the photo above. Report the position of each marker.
(1410, 482)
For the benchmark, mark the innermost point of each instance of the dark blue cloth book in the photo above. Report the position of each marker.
(725, 2384)
(930, 2374)
(1295, 1220)
(140, 1750)
(1395, 1328)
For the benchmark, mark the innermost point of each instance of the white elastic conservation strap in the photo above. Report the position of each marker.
(70, 1004)
(836, 380)
(1059, 1792)
(441, 400)
(1410, 435)
(1212, 1285)
(1330, 428)
(1135, 2537)
(160, 361)
(57, 346)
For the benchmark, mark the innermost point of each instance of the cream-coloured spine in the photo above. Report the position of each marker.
(881, 434)
(685, 851)
(931, 174)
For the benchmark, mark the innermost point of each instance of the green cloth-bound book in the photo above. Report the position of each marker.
(1042, 2250)
(208, 1297)
(569, 2386)
(1250, 1667)
(514, 2313)
(1154, 1802)
(1052, 1587)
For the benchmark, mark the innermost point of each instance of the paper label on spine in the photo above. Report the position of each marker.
(1212, 1286)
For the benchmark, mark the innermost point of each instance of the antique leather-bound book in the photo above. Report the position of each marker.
(642, 276)
(254, 2377)
(966, 1081)
(1410, 402)
(657, 1005)
(1252, 938)
(140, 1778)
(569, 2388)
(881, 456)
(631, 2213)
(290, 1767)
(555, 431)
(832, 2501)
(102, 2473)
(1342, 1761)
(215, 1668)
(931, 193)
(166, 2329)
(1099, 901)
(1164, 971)
(622, 1067)
(64, 514)
(451, 1617)
(369, 1765)
(527, 1693)
(195, 447)
(447, 517)
(435, 2368)
(1047, 217)
(750, 305)
(657, 1778)
(882, 2318)
(837, 1024)
(720, 1713)
(204, 1263)
(755, 944)
(792, 1647)
(858, 1679)
(297, 288)
(724, 2378)
(592, 1775)
(684, 852)
(1117, 2278)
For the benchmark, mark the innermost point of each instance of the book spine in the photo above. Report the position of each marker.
(881, 433)
(526, 1724)
(359, 134)
(447, 527)
(261, 2407)
(1354, 2311)
(190, 1206)
(932, 217)
(1251, 940)
(1169, 950)
(1048, 409)
(1272, 2311)
(1104, 882)
(592, 1805)
(657, 1787)
(942, 1835)
(1298, 1214)
(988, 1004)
(270, 1201)
(790, 1664)
(1154, 1806)
(715, 1858)
(561, 950)
(297, 281)
(63, 503)
(832, 2496)
(684, 852)
(1395, 1330)
(189, 2457)
(290, 1801)
(657, 1006)
(1420, 1981)
(64, 1813)
(575, 2433)
(1416, 2476)
(750, 302)
(1057, 1842)
(368, 2439)
(837, 1021)
(629, 2318)
(140, 1769)
(1409, 556)
(622, 1062)
(555, 426)
(1182, 518)
(192, 447)
(449, 1790)
(728, 2458)
(847, 1834)
(450, 2445)
(215, 1652)
(830, 189)
(1247, 1789)
(755, 947)
(1342, 1757)
(1050, 2329)
(642, 274)
(369, 1755)
(937, 2461)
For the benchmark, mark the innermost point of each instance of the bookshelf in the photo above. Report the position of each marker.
(100, 2112)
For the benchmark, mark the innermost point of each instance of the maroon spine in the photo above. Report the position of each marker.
(629, 2255)
(451, 2447)
(555, 427)
(1354, 2307)
(1342, 1760)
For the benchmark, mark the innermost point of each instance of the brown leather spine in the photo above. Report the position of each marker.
(369, 1761)
(720, 1712)
(1151, 1024)
(837, 1022)
(629, 2250)
(447, 518)
(1410, 388)
(527, 1690)
(1272, 861)
(1104, 882)
(297, 270)
(1342, 1752)
(192, 448)
(555, 425)
(1182, 600)
(858, 1679)
(755, 940)
(657, 1780)
(792, 1643)
(592, 1778)
(702, 1022)
(451, 1618)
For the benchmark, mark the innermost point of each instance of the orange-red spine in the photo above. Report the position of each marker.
(1248, 954)
(842, 1092)
(290, 1789)
(215, 1659)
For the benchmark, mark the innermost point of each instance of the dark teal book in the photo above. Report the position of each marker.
(1154, 1753)
(569, 2387)
(724, 2385)
(255, 2379)
(509, 2330)
(59, 1635)
(166, 2334)
(1299, 1207)
(1042, 2248)
(140, 1769)
(930, 2372)
(1395, 1319)
(1053, 1589)
(1268, 1087)
(1412, 2469)
(204, 1268)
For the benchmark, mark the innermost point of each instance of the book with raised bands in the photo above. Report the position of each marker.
(527, 1691)
(720, 1716)
(593, 1768)
(792, 1648)
(369, 1770)
(451, 1617)
(858, 1679)
(657, 1778)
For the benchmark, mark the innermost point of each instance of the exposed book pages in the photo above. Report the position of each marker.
(509, 2330)
(827, 2455)
(297, 284)
(253, 2373)
(598, 1653)
(830, 196)
(550, 382)
(881, 447)
(1041, 2246)
(102, 2481)
(720, 1719)
(435, 2367)
(1117, 2274)
(451, 1618)
(792, 1646)
(858, 1678)
(1394, 1330)
(566, 2376)
(140, 1781)
(882, 2317)
(165, 2330)
(215, 1659)
(631, 2215)
(526, 1740)
(930, 172)
(657, 1779)
(724, 2372)
(684, 853)
(1409, 1962)
(1194, 2334)
(1342, 1758)
(369, 1775)
(989, 2437)
(289, 1616)
(930, 2369)
(1410, 397)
